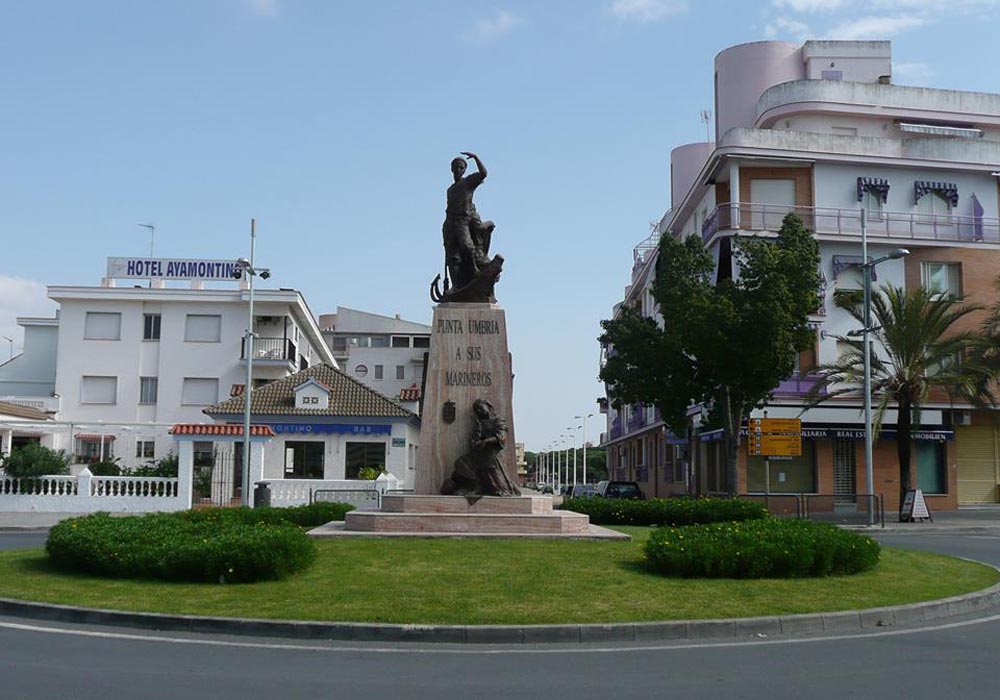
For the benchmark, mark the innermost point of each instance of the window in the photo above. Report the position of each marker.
(933, 205)
(378, 371)
(204, 454)
(99, 390)
(794, 475)
(941, 278)
(147, 389)
(102, 326)
(400, 371)
(90, 448)
(151, 326)
(201, 328)
(379, 341)
(197, 391)
(304, 460)
(338, 343)
(423, 341)
(872, 201)
(361, 371)
(363, 454)
(931, 463)
(400, 341)
(145, 449)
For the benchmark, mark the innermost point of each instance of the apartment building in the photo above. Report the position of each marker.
(385, 353)
(820, 129)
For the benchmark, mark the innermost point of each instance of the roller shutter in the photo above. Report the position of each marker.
(977, 453)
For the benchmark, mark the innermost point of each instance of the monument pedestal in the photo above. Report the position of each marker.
(468, 360)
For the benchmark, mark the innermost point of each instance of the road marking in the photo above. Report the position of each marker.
(487, 651)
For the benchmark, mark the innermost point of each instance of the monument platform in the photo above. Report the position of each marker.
(461, 516)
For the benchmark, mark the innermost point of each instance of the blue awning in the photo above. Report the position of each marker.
(878, 185)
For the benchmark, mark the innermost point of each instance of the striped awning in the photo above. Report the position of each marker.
(878, 185)
(94, 438)
(220, 430)
(948, 190)
(842, 262)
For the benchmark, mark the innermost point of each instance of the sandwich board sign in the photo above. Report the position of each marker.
(914, 507)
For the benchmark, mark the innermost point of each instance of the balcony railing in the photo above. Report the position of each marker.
(746, 216)
(270, 349)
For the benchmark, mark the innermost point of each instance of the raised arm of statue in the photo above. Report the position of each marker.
(480, 168)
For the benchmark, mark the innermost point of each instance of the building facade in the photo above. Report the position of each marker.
(385, 353)
(819, 129)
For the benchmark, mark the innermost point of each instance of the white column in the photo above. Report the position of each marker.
(734, 194)
(185, 472)
(7, 441)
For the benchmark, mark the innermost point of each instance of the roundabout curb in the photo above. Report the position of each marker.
(850, 621)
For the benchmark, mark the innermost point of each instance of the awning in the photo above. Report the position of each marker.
(842, 262)
(878, 185)
(95, 438)
(948, 190)
(847, 432)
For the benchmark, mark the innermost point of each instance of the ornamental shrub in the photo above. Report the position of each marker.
(665, 511)
(174, 547)
(769, 548)
(311, 515)
(36, 460)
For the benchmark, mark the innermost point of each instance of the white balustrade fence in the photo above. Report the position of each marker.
(87, 493)
(295, 492)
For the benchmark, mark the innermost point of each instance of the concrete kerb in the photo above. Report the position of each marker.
(845, 622)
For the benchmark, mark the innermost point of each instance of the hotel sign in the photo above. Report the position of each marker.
(171, 269)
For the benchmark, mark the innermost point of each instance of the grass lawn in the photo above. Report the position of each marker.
(454, 581)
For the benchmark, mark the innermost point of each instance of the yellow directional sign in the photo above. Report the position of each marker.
(775, 437)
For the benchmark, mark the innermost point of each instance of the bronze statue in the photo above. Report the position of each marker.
(470, 274)
(480, 471)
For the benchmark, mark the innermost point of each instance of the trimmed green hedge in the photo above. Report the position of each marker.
(202, 546)
(664, 511)
(771, 548)
(311, 515)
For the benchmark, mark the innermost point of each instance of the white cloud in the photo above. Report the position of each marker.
(646, 10)
(787, 28)
(875, 27)
(19, 297)
(912, 73)
(492, 28)
(811, 5)
(263, 8)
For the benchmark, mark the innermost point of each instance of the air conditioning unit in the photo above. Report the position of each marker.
(961, 417)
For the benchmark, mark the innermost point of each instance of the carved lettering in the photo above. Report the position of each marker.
(450, 325)
(454, 378)
(487, 327)
(474, 354)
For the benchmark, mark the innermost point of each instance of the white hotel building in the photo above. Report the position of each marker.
(820, 129)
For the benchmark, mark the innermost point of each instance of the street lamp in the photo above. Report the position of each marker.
(866, 274)
(584, 419)
(246, 268)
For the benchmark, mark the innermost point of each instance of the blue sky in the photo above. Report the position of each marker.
(333, 124)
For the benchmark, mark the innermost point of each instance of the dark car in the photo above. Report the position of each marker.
(619, 489)
(582, 491)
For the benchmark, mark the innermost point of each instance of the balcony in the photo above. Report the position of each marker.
(270, 351)
(834, 223)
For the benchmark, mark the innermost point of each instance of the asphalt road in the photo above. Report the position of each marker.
(953, 660)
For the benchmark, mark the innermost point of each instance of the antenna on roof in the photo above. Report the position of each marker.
(706, 117)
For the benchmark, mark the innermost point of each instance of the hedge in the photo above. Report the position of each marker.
(771, 548)
(311, 515)
(213, 546)
(664, 511)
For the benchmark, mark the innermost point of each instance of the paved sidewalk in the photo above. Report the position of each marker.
(965, 520)
(32, 521)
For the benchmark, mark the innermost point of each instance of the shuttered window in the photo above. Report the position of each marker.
(198, 391)
(99, 390)
(202, 328)
(102, 326)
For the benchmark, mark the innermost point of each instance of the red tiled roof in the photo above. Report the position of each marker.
(411, 394)
(200, 429)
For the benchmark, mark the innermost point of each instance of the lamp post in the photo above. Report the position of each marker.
(584, 419)
(867, 267)
(246, 267)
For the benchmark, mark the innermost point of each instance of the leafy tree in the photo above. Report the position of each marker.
(36, 460)
(917, 348)
(726, 344)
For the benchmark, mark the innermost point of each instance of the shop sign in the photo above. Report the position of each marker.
(330, 428)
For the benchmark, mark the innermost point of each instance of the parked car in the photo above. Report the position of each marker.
(619, 489)
(583, 491)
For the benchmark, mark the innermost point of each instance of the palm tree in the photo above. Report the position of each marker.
(917, 349)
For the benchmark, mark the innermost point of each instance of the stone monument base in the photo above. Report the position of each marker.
(484, 516)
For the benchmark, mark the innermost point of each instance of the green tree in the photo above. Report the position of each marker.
(917, 348)
(725, 343)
